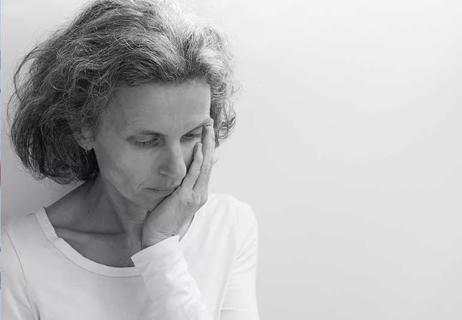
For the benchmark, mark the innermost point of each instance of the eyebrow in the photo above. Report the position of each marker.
(208, 121)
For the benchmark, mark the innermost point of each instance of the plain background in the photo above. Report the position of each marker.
(348, 147)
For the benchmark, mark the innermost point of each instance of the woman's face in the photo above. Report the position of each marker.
(146, 138)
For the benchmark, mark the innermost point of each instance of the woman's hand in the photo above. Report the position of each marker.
(174, 214)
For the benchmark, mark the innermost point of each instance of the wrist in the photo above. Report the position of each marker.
(152, 239)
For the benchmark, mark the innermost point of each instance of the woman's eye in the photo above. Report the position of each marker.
(148, 143)
(191, 136)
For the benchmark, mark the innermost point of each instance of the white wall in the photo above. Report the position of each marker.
(348, 146)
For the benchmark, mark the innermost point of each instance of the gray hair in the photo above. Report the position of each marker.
(67, 81)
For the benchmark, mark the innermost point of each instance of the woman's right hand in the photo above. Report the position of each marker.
(173, 215)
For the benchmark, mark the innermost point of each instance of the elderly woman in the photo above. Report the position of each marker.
(131, 99)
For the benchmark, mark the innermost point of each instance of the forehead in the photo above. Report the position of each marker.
(165, 108)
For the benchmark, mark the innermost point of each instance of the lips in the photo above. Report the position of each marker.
(163, 190)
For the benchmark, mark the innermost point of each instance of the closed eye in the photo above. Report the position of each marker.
(193, 135)
(151, 142)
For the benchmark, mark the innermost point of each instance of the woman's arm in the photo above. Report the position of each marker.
(16, 302)
(171, 287)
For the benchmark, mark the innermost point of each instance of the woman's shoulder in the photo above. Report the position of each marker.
(228, 204)
(22, 225)
(234, 220)
(230, 210)
(22, 243)
(23, 235)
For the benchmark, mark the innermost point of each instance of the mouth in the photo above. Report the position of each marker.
(162, 190)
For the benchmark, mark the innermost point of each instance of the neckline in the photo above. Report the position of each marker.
(77, 258)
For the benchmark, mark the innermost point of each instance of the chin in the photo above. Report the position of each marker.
(150, 202)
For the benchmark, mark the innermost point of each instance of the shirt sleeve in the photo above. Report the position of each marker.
(171, 287)
(174, 291)
(240, 301)
(16, 301)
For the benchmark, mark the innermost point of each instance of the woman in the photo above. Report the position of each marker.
(132, 98)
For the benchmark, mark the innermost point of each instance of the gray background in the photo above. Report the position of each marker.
(348, 147)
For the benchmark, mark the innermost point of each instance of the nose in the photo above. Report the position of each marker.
(173, 164)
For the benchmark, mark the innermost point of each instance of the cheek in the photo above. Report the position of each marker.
(124, 168)
(138, 167)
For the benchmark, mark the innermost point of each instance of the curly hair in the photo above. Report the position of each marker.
(67, 81)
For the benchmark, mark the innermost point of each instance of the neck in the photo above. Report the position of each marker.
(115, 212)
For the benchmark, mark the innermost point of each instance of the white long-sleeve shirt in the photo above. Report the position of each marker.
(209, 274)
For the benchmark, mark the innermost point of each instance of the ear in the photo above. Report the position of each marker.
(84, 138)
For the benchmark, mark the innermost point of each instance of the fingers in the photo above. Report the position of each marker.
(194, 169)
(208, 147)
